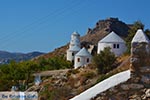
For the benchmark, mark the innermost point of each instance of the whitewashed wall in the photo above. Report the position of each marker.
(69, 55)
(122, 48)
(83, 61)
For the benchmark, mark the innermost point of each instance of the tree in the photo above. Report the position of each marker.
(137, 25)
(54, 63)
(17, 74)
(147, 32)
(104, 61)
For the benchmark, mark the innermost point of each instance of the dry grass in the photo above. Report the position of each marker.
(125, 63)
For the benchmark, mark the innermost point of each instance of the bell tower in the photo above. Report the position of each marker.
(74, 46)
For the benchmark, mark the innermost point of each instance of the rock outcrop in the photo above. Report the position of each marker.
(103, 27)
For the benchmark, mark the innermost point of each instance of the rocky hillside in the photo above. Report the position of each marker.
(93, 35)
(103, 27)
(6, 57)
(65, 84)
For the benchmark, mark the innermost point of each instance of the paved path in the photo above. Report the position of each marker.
(51, 72)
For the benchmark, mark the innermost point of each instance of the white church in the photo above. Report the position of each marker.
(82, 58)
(116, 44)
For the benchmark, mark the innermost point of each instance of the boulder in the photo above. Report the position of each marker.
(145, 79)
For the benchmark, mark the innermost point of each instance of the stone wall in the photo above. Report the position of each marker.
(140, 62)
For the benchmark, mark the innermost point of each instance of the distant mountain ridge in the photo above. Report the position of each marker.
(6, 57)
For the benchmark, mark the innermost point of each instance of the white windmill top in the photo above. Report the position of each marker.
(76, 33)
(83, 52)
(75, 39)
(140, 37)
(74, 48)
(112, 37)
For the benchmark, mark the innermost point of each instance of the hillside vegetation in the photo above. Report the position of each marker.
(21, 74)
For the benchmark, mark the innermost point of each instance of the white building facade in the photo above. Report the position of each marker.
(116, 44)
(82, 58)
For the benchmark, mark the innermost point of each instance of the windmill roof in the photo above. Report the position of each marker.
(74, 48)
(140, 37)
(112, 37)
(83, 52)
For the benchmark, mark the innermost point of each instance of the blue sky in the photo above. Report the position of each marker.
(43, 25)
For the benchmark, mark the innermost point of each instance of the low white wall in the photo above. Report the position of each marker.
(103, 86)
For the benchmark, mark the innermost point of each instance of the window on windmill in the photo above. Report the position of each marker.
(88, 60)
(114, 46)
(117, 46)
(78, 59)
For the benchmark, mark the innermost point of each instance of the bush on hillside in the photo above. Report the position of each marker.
(17, 74)
(54, 63)
(104, 61)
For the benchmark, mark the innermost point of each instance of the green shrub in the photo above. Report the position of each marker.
(54, 63)
(18, 74)
(104, 61)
